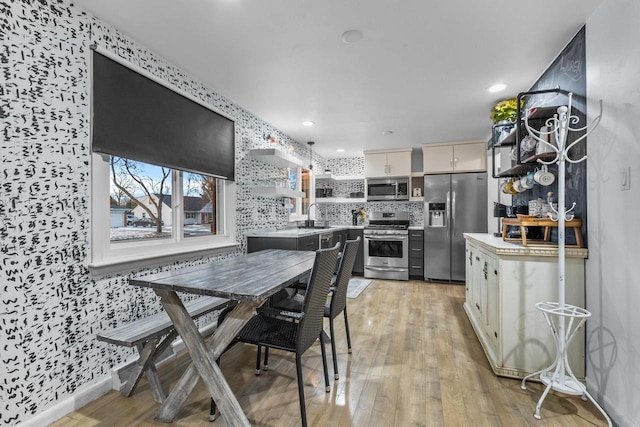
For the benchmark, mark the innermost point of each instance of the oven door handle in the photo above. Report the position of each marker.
(382, 237)
(368, 267)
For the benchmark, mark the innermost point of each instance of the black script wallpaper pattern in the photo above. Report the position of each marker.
(50, 306)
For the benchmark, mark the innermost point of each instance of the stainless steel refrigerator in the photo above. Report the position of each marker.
(453, 204)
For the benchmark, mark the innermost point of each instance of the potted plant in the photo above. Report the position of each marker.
(505, 110)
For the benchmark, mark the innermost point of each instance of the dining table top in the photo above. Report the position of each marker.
(252, 277)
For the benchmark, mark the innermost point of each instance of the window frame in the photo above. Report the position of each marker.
(107, 257)
(298, 215)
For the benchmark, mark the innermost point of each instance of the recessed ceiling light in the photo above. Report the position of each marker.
(308, 123)
(387, 132)
(497, 87)
(340, 150)
(352, 36)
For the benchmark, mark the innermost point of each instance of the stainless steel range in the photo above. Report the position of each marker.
(386, 246)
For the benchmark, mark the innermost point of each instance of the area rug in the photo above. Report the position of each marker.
(356, 286)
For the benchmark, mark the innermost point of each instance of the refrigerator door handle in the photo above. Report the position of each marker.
(453, 214)
(447, 214)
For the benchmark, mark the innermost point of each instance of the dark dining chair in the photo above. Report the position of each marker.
(295, 332)
(337, 303)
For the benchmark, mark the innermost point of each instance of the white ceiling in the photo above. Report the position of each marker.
(421, 69)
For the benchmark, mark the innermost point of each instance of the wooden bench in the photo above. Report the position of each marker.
(146, 333)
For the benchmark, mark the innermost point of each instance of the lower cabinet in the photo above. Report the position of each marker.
(416, 254)
(504, 281)
(340, 236)
(307, 243)
(352, 234)
(311, 243)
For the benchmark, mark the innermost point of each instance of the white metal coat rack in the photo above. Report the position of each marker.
(563, 319)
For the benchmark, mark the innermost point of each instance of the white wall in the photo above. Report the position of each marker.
(613, 267)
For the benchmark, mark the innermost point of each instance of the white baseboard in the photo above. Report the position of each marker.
(84, 395)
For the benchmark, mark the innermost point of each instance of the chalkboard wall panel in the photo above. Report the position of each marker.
(567, 72)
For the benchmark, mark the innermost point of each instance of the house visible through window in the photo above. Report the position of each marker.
(142, 205)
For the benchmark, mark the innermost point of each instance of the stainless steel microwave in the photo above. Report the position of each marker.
(380, 189)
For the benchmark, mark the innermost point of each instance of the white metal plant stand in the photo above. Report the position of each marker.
(563, 319)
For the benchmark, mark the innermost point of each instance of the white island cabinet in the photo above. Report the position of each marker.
(504, 281)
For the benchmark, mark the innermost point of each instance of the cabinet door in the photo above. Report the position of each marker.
(375, 165)
(492, 312)
(437, 159)
(478, 284)
(358, 267)
(470, 275)
(470, 157)
(308, 243)
(416, 254)
(399, 163)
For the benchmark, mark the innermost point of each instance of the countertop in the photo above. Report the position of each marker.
(294, 233)
(500, 247)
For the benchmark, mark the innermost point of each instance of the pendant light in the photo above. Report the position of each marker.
(310, 143)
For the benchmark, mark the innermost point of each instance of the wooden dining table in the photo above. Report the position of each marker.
(248, 279)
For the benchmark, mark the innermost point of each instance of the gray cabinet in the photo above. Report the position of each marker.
(358, 268)
(307, 243)
(340, 236)
(416, 254)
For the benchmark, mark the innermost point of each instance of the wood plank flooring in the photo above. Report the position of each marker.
(416, 362)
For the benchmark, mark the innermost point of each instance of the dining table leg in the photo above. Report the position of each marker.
(203, 356)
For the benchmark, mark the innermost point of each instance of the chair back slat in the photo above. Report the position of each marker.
(316, 296)
(345, 269)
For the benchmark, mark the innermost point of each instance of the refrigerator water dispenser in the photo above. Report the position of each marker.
(436, 215)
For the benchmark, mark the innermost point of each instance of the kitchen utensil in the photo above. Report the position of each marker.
(525, 183)
(527, 147)
(530, 178)
(509, 188)
(546, 148)
(544, 177)
(503, 187)
(518, 186)
(535, 207)
(499, 210)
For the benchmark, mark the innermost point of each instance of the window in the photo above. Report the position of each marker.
(300, 180)
(157, 155)
(155, 212)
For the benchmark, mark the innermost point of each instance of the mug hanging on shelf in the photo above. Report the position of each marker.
(544, 177)
(526, 183)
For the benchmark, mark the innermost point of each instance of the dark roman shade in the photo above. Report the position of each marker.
(137, 118)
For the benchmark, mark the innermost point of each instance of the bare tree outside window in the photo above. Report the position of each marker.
(130, 180)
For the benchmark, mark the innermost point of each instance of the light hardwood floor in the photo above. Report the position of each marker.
(416, 362)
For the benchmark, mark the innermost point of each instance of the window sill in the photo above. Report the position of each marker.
(124, 264)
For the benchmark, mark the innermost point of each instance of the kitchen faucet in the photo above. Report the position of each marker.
(309, 222)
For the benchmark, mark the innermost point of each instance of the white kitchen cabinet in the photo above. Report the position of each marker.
(387, 163)
(504, 281)
(458, 157)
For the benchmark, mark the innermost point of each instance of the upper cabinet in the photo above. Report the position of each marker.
(383, 163)
(454, 157)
